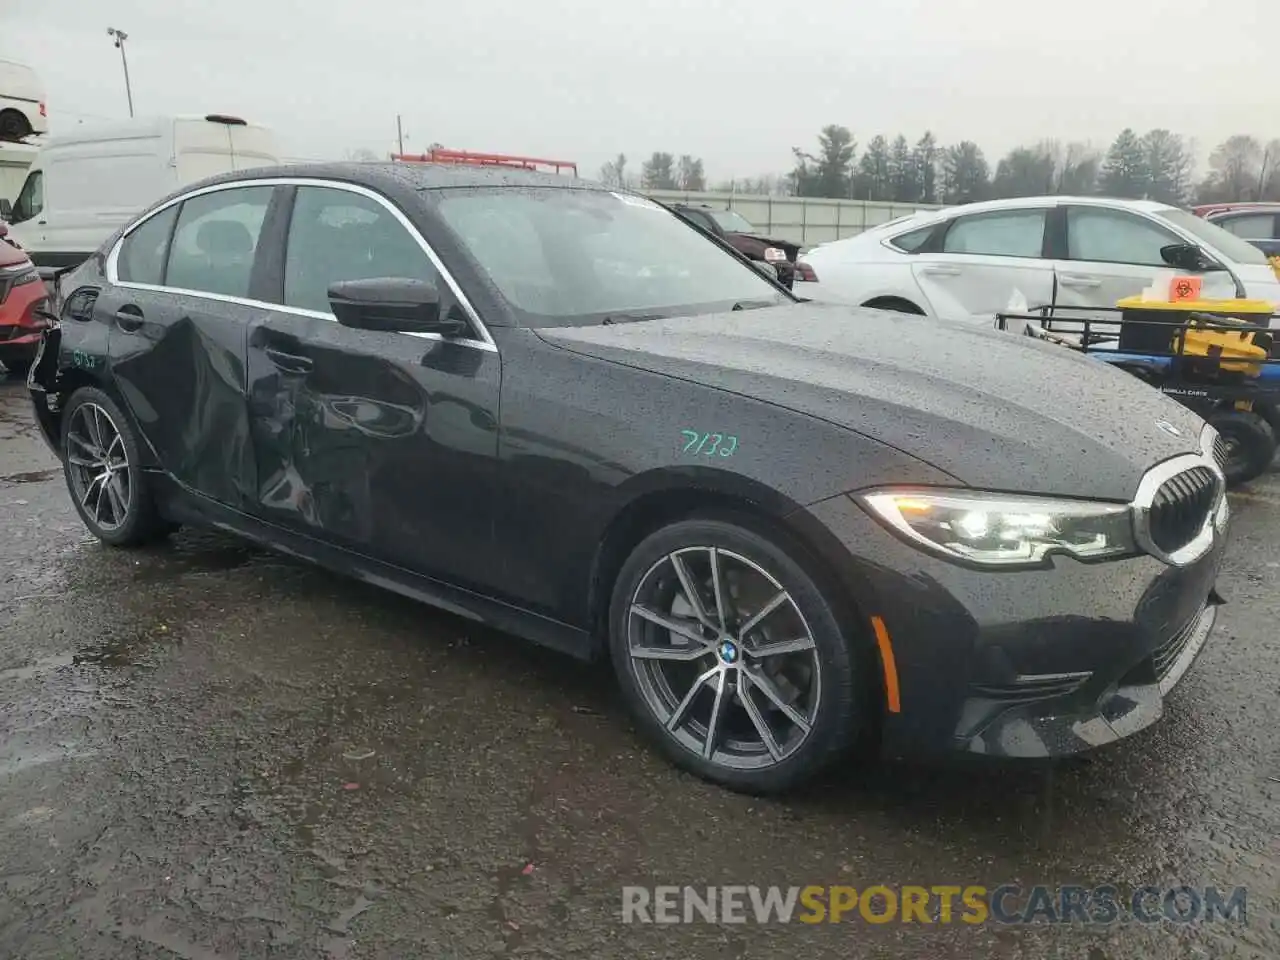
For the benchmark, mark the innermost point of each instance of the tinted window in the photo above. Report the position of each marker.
(732, 222)
(1113, 236)
(216, 239)
(1254, 226)
(911, 241)
(338, 235)
(30, 198)
(1016, 233)
(698, 218)
(561, 256)
(143, 252)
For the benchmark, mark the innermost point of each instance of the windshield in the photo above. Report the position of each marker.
(564, 257)
(732, 222)
(1237, 250)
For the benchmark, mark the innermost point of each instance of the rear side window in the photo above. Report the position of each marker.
(216, 240)
(143, 252)
(1251, 226)
(338, 235)
(1012, 233)
(1114, 236)
(912, 240)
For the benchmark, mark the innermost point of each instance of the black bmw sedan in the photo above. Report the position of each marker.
(794, 529)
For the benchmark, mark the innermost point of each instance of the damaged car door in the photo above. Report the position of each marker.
(178, 302)
(381, 441)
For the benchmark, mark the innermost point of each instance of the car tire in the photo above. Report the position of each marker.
(14, 126)
(1251, 444)
(121, 509)
(823, 686)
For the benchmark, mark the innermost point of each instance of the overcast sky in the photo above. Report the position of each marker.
(737, 82)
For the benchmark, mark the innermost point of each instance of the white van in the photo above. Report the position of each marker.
(84, 185)
(22, 109)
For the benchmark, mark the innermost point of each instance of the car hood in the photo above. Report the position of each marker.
(994, 410)
(11, 255)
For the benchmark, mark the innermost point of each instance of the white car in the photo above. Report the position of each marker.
(973, 261)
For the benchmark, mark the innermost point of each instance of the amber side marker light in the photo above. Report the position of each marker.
(892, 695)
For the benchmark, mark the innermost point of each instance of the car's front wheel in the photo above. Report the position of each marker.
(732, 659)
(101, 462)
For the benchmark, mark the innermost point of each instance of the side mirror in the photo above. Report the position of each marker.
(1189, 257)
(392, 304)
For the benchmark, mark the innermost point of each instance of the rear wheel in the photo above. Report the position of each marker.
(13, 126)
(731, 658)
(101, 462)
(1250, 444)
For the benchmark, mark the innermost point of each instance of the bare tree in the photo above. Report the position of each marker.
(614, 173)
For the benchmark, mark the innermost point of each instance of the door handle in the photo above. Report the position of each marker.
(938, 270)
(289, 362)
(129, 317)
(1075, 280)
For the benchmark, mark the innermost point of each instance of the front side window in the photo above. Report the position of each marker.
(1251, 226)
(1114, 236)
(216, 240)
(337, 235)
(561, 256)
(30, 200)
(143, 251)
(1011, 233)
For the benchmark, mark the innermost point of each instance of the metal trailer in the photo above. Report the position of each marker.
(1234, 388)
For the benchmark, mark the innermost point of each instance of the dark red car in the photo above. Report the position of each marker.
(21, 296)
(738, 232)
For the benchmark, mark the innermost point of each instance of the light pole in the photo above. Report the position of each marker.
(120, 37)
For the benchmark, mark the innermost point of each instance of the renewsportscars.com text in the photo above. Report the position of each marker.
(1006, 904)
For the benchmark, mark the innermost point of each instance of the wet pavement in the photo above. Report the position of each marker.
(211, 752)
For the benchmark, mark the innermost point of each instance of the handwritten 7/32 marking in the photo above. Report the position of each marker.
(709, 444)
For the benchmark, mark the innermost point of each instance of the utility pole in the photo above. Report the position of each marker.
(400, 134)
(120, 37)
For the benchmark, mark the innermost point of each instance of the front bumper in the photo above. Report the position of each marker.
(1034, 663)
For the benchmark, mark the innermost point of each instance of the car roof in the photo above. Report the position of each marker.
(1013, 203)
(925, 217)
(417, 176)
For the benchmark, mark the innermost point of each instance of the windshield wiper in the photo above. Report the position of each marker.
(631, 318)
(753, 304)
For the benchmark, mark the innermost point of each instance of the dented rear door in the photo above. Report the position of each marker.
(179, 339)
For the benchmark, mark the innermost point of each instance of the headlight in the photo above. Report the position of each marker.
(774, 255)
(1000, 530)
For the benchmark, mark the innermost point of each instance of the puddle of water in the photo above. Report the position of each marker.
(127, 650)
(18, 762)
(34, 476)
(45, 665)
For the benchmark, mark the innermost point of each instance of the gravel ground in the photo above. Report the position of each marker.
(211, 752)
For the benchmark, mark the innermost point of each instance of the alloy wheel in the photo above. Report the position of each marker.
(98, 464)
(723, 657)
